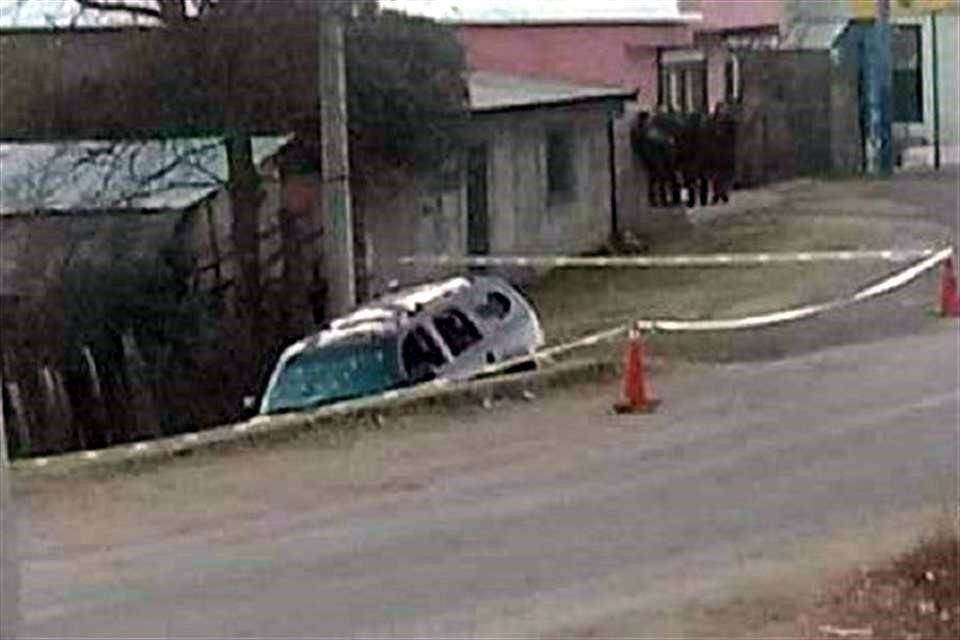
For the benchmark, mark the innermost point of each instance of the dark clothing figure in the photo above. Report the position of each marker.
(721, 164)
(654, 142)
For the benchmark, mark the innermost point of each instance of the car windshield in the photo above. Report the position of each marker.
(335, 372)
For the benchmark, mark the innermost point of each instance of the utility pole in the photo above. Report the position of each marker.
(879, 147)
(9, 561)
(935, 46)
(337, 212)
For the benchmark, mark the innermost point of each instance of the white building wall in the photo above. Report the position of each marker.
(948, 35)
(948, 63)
(948, 30)
(417, 217)
(522, 219)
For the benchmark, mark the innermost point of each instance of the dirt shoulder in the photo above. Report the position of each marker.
(859, 582)
(915, 596)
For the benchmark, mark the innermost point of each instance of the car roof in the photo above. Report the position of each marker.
(389, 314)
(413, 300)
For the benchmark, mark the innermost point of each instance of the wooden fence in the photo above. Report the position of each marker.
(97, 401)
(49, 409)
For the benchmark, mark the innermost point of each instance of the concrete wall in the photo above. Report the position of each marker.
(523, 220)
(790, 116)
(633, 210)
(846, 138)
(418, 215)
(424, 215)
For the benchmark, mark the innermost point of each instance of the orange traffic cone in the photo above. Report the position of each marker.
(949, 296)
(635, 398)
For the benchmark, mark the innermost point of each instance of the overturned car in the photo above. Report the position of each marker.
(451, 329)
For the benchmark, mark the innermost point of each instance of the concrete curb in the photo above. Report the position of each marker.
(262, 430)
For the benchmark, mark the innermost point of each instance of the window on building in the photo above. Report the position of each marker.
(698, 89)
(681, 90)
(560, 158)
(907, 74)
(667, 88)
(733, 90)
(662, 79)
(683, 86)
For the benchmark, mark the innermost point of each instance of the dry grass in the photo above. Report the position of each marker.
(575, 302)
(916, 596)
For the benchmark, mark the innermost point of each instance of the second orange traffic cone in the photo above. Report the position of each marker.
(635, 397)
(949, 296)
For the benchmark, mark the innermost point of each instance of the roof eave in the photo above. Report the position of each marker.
(54, 30)
(753, 28)
(88, 212)
(613, 101)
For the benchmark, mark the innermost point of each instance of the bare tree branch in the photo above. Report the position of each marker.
(184, 156)
(122, 179)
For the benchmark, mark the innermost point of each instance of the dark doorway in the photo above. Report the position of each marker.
(478, 224)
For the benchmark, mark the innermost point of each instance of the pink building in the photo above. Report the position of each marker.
(609, 53)
(676, 52)
(729, 25)
(719, 15)
(685, 58)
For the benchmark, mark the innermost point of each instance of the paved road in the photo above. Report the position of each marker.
(937, 194)
(576, 512)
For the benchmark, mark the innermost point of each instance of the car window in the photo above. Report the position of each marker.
(420, 353)
(333, 373)
(496, 306)
(457, 330)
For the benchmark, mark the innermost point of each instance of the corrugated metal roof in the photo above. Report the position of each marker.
(96, 174)
(495, 91)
